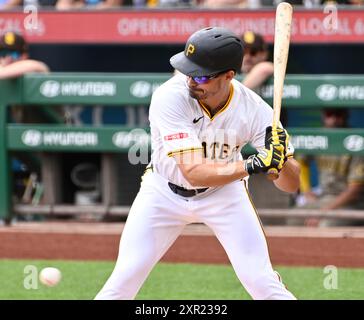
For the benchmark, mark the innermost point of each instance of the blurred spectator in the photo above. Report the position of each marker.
(46, 3)
(14, 57)
(344, 2)
(341, 178)
(163, 3)
(14, 63)
(220, 4)
(311, 3)
(315, 3)
(90, 4)
(10, 4)
(355, 2)
(256, 67)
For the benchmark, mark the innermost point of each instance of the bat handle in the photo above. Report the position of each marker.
(272, 174)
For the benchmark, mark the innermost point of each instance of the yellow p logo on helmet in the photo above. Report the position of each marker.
(190, 49)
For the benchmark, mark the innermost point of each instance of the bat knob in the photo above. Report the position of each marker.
(272, 174)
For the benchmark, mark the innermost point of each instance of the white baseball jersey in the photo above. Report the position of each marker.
(180, 124)
(158, 215)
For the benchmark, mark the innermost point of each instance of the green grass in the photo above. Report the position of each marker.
(82, 280)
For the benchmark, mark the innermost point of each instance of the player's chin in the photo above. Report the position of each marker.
(196, 93)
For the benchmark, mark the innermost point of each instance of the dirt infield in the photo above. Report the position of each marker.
(342, 247)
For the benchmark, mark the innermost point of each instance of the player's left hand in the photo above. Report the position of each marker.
(283, 139)
(272, 157)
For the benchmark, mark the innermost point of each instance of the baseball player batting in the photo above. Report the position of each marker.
(200, 119)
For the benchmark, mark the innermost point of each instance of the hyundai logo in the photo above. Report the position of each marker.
(327, 92)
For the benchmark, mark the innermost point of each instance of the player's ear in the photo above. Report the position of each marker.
(230, 75)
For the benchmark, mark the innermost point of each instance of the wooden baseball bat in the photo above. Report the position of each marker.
(282, 34)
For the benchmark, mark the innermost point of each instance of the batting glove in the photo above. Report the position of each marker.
(283, 139)
(265, 159)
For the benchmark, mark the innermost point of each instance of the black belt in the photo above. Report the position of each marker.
(185, 192)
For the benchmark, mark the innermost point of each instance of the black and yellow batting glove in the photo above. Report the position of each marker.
(265, 159)
(282, 137)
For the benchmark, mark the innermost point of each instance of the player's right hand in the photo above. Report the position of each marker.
(266, 159)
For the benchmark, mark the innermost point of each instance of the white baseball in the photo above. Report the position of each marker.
(50, 276)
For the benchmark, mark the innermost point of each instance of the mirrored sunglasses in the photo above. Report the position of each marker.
(13, 54)
(205, 79)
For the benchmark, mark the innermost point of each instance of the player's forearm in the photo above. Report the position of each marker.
(289, 177)
(214, 174)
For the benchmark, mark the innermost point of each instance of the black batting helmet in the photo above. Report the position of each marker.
(209, 51)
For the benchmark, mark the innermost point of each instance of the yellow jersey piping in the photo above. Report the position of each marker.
(231, 93)
(182, 151)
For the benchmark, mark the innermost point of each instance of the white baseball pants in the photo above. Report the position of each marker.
(157, 218)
